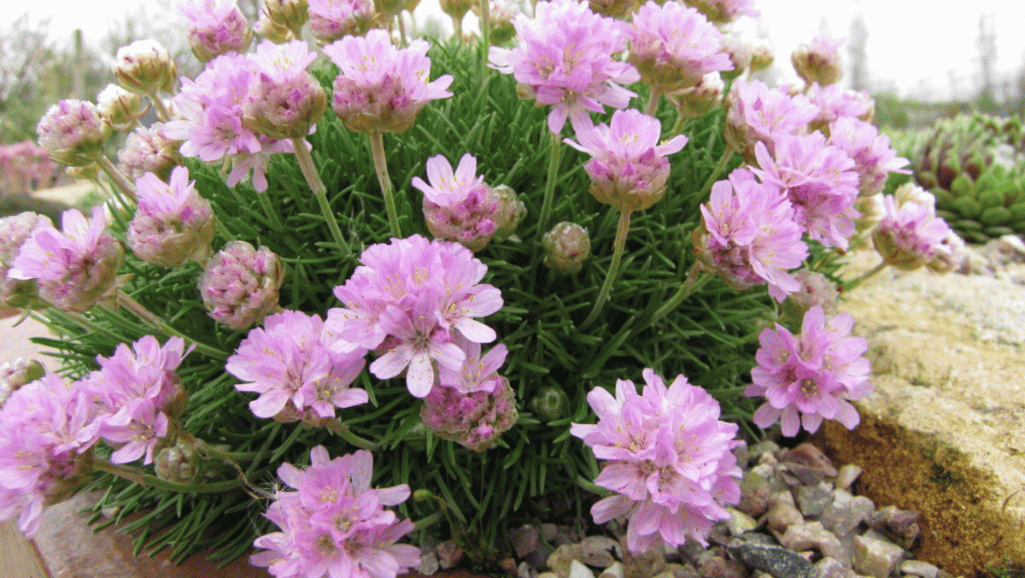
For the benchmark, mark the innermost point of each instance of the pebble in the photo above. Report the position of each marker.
(614, 571)
(899, 525)
(428, 563)
(812, 536)
(524, 539)
(845, 512)
(449, 554)
(832, 568)
(919, 568)
(719, 567)
(809, 455)
(782, 515)
(740, 523)
(754, 494)
(812, 500)
(876, 557)
(579, 570)
(775, 560)
(846, 476)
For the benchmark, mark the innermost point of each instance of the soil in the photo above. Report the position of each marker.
(916, 472)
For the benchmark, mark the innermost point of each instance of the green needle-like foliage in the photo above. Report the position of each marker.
(710, 337)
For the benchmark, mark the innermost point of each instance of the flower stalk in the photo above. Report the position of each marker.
(618, 246)
(143, 479)
(727, 154)
(381, 167)
(309, 170)
(147, 317)
(553, 173)
(117, 177)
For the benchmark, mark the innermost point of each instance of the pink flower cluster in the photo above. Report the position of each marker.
(334, 524)
(628, 168)
(749, 235)
(73, 132)
(811, 376)
(300, 370)
(172, 223)
(137, 396)
(673, 46)
(147, 150)
(24, 166)
(240, 284)
(216, 27)
(74, 268)
(669, 460)
(43, 451)
(14, 231)
(382, 88)
(410, 300)
(756, 113)
(910, 235)
(474, 405)
(333, 19)
(873, 158)
(566, 57)
(457, 204)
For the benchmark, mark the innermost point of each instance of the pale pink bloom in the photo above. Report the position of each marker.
(457, 204)
(628, 168)
(819, 179)
(382, 88)
(810, 377)
(73, 132)
(14, 232)
(819, 60)
(835, 102)
(240, 284)
(290, 363)
(147, 150)
(669, 460)
(216, 27)
(911, 235)
(673, 46)
(333, 19)
(74, 268)
(334, 524)
(172, 223)
(756, 113)
(749, 236)
(566, 57)
(873, 157)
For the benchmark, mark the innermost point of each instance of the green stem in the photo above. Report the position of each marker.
(861, 278)
(457, 27)
(162, 113)
(429, 520)
(553, 173)
(143, 479)
(678, 126)
(309, 170)
(343, 431)
(126, 301)
(727, 154)
(381, 167)
(618, 246)
(695, 280)
(652, 105)
(222, 230)
(590, 486)
(485, 25)
(268, 210)
(117, 177)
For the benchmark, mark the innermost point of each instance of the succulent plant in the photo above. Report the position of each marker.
(975, 166)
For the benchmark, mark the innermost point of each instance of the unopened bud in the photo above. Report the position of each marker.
(511, 211)
(179, 463)
(818, 61)
(950, 256)
(912, 193)
(146, 67)
(73, 132)
(613, 8)
(240, 284)
(701, 98)
(456, 8)
(761, 58)
(871, 211)
(121, 108)
(566, 247)
(16, 373)
(740, 56)
(291, 14)
(216, 27)
(284, 108)
(550, 403)
(272, 30)
(816, 290)
(147, 150)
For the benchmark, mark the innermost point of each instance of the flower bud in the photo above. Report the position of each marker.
(147, 150)
(290, 14)
(870, 210)
(284, 108)
(456, 8)
(761, 58)
(818, 61)
(14, 231)
(816, 290)
(119, 107)
(146, 67)
(951, 255)
(240, 284)
(912, 193)
(909, 236)
(740, 56)
(172, 223)
(16, 373)
(511, 211)
(272, 30)
(179, 463)
(701, 98)
(334, 19)
(216, 27)
(501, 15)
(550, 403)
(73, 132)
(613, 8)
(565, 248)
(474, 420)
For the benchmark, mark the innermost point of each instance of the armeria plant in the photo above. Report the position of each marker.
(294, 313)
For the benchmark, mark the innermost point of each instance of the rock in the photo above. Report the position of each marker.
(875, 557)
(549, 531)
(595, 551)
(719, 567)
(832, 568)
(646, 565)
(739, 522)
(901, 526)
(802, 474)
(846, 475)
(845, 512)
(683, 571)
(812, 536)
(539, 557)
(782, 515)
(429, 563)
(809, 455)
(509, 565)
(525, 570)
(614, 571)
(578, 570)
(449, 554)
(754, 453)
(524, 539)
(812, 500)
(919, 568)
(779, 562)
(754, 494)
(562, 558)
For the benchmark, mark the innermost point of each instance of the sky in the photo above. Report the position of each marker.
(915, 48)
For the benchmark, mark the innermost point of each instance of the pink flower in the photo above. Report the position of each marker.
(668, 458)
(873, 157)
(458, 205)
(566, 57)
(819, 179)
(284, 100)
(216, 27)
(333, 19)
(749, 235)
(334, 523)
(41, 447)
(910, 236)
(835, 102)
(628, 168)
(673, 46)
(15, 230)
(172, 223)
(410, 300)
(147, 150)
(73, 132)
(756, 113)
(812, 376)
(819, 60)
(74, 268)
(382, 88)
(291, 364)
(240, 284)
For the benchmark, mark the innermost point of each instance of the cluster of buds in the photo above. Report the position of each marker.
(73, 133)
(147, 150)
(119, 107)
(145, 67)
(216, 27)
(566, 247)
(282, 20)
(240, 284)
(172, 223)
